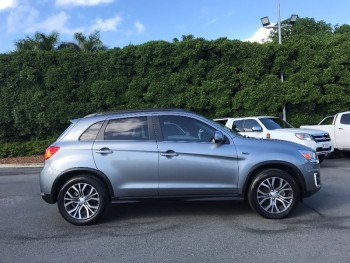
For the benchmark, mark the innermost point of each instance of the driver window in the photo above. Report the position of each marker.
(180, 128)
(345, 119)
(249, 124)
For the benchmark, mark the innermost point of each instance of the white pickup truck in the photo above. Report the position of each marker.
(338, 127)
(267, 127)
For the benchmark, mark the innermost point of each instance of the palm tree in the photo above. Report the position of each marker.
(40, 41)
(47, 42)
(91, 42)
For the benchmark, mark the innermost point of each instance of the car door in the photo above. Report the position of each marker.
(127, 154)
(190, 163)
(342, 132)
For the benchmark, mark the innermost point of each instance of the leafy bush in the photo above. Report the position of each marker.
(41, 91)
(29, 148)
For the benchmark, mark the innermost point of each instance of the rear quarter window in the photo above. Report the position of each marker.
(90, 133)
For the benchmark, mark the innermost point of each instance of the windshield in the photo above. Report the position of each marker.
(275, 123)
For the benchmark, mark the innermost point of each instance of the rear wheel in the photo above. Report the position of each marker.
(273, 194)
(82, 200)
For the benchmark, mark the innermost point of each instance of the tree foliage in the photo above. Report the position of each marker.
(91, 43)
(49, 42)
(40, 41)
(41, 91)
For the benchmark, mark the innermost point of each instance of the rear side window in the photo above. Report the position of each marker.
(345, 119)
(90, 133)
(134, 128)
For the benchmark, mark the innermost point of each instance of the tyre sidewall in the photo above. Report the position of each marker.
(101, 192)
(252, 195)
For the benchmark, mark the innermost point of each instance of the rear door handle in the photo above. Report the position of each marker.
(104, 151)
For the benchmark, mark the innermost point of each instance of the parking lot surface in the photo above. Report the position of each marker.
(318, 231)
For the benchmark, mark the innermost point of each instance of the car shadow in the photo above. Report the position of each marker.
(156, 209)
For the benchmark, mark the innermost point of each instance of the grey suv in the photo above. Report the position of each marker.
(171, 154)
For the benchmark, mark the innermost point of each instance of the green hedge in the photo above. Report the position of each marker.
(40, 91)
(29, 148)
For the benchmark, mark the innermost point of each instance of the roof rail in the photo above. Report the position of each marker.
(132, 111)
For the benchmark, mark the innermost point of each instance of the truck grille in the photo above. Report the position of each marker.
(321, 137)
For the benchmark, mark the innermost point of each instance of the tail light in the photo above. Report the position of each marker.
(50, 151)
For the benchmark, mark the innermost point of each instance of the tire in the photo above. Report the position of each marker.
(321, 158)
(273, 194)
(346, 153)
(82, 200)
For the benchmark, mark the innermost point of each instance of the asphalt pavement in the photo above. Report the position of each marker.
(318, 231)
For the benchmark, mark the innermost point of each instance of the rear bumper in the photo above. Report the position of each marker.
(48, 198)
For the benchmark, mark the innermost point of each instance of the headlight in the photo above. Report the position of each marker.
(309, 155)
(304, 136)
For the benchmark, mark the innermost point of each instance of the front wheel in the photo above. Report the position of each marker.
(321, 158)
(274, 194)
(82, 200)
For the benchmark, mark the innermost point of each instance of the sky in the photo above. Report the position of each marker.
(124, 22)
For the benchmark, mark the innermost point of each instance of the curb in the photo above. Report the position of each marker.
(22, 165)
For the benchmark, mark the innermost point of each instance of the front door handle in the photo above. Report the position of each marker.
(104, 151)
(169, 153)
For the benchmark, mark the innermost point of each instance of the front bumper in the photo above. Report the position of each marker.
(312, 178)
(323, 149)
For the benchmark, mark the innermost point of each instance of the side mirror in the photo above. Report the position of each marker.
(219, 137)
(257, 129)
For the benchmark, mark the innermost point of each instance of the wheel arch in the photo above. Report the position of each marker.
(68, 174)
(284, 166)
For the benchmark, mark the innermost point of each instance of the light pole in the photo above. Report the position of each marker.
(266, 23)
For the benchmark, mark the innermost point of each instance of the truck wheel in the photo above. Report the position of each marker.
(346, 153)
(82, 200)
(273, 194)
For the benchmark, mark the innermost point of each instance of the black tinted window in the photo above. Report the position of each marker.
(345, 119)
(237, 125)
(90, 133)
(135, 128)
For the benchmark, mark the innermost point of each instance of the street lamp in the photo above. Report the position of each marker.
(266, 23)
